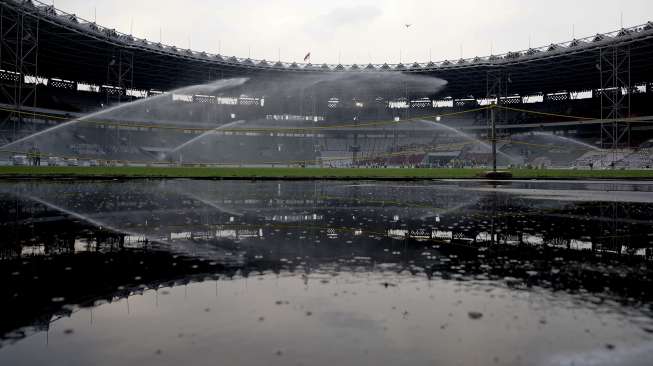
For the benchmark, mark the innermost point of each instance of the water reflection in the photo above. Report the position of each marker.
(283, 272)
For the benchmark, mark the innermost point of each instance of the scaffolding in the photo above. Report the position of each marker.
(120, 77)
(614, 67)
(496, 92)
(19, 46)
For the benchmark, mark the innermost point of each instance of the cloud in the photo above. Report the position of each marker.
(342, 18)
(356, 15)
(361, 31)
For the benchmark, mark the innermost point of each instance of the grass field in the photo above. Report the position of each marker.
(304, 173)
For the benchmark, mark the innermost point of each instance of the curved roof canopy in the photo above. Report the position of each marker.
(72, 48)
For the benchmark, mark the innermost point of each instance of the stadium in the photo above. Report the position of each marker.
(76, 93)
(161, 204)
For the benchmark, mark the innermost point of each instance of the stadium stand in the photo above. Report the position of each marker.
(77, 60)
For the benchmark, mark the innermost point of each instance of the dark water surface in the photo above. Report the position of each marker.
(326, 273)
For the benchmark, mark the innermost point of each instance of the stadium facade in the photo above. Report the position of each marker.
(55, 65)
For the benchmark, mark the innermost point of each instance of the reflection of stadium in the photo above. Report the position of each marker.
(101, 241)
(182, 214)
(56, 66)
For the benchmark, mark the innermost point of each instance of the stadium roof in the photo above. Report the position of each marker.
(74, 49)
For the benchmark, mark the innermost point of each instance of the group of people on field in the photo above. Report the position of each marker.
(34, 156)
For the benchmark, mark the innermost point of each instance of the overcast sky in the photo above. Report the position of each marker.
(360, 31)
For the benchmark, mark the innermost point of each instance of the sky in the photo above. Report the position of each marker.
(360, 31)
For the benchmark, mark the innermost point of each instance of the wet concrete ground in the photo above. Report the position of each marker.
(299, 273)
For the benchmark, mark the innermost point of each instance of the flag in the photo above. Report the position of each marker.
(307, 57)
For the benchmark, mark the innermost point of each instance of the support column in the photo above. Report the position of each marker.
(215, 74)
